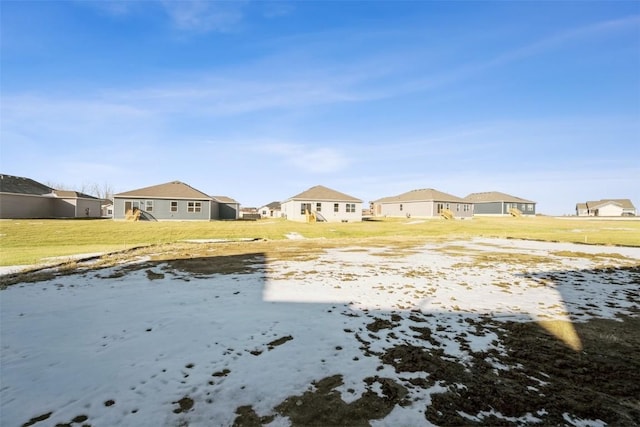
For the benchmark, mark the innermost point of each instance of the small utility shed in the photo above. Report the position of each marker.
(174, 200)
(422, 203)
(606, 207)
(25, 198)
(326, 204)
(497, 203)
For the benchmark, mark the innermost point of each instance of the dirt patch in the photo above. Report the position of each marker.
(37, 419)
(545, 379)
(184, 404)
(323, 405)
(279, 341)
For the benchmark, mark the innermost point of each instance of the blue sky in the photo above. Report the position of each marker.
(262, 100)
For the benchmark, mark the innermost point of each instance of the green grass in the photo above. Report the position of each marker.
(30, 241)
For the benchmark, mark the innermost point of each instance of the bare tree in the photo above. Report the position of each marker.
(101, 191)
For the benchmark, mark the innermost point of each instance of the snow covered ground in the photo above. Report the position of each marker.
(154, 345)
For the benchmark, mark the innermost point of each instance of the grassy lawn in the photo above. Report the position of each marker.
(32, 241)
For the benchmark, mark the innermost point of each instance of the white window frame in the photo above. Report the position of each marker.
(194, 206)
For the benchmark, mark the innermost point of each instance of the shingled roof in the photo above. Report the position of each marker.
(422, 195)
(494, 196)
(170, 190)
(224, 199)
(322, 193)
(20, 185)
(65, 194)
(623, 203)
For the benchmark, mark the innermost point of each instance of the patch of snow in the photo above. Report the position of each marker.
(72, 343)
(294, 236)
(579, 422)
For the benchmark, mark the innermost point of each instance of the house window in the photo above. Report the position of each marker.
(351, 207)
(530, 207)
(174, 207)
(401, 207)
(318, 207)
(149, 206)
(336, 207)
(194, 207)
(447, 206)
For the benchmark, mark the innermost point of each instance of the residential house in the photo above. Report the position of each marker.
(25, 198)
(495, 203)
(272, 210)
(423, 203)
(107, 208)
(322, 204)
(606, 207)
(174, 201)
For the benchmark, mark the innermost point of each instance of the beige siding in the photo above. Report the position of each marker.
(25, 206)
(423, 209)
(610, 210)
(292, 209)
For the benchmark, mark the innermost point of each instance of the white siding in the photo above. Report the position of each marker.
(292, 210)
(610, 210)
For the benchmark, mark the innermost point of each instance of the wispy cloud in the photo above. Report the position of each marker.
(561, 39)
(439, 78)
(306, 158)
(204, 16)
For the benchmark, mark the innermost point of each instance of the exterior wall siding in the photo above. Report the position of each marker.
(491, 208)
(162, 209)
(502, 208)
(32, 206)
(25, 206)
(87, 208)
(423, 209)
(65, 208)
(610, 210)
(292, 210)
(228, 211)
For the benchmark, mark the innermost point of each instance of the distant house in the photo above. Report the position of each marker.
(323, 204)
(606, 207)
(107, 208)
(174, 201)
(496, 203)
(25, 198)
(272, 210)
(423, 203)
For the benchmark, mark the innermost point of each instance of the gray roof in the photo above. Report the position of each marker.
(224, 199)
(274, 205)
(321, 193)
(170, 190)
(65, 194)
(20, 185)
(422, 195)
(494, 196)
